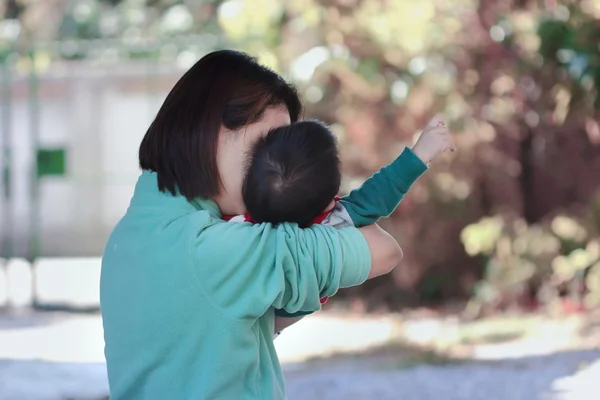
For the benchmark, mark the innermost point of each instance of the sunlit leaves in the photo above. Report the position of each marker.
(568, 229)
(517, 253)
(482, 237)
(405, 24)
(242, 19)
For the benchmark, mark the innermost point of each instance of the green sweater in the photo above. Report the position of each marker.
(379, 195)
(187, 299)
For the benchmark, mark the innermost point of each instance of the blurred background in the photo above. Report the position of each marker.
(499, 289)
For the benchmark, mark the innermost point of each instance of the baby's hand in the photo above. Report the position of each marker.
(434, 140)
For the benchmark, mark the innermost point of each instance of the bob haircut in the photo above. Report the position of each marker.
(224, 88)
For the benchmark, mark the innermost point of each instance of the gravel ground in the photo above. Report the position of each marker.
(561, 376)
(74, 370)
(42, 380)
(564, 376)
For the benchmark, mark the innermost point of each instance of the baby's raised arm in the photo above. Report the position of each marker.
(379, 195)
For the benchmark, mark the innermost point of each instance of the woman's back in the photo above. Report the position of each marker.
(187, 298)
(158, 322)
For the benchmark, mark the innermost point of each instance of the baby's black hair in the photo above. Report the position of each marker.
(293, 173)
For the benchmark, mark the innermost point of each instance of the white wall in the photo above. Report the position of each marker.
(99, 115)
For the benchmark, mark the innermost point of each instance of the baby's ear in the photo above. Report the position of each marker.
(330, 206)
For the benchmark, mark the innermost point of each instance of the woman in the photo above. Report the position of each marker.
(187, 299)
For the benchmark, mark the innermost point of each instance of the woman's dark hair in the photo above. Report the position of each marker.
(226, 88)
(293, 174)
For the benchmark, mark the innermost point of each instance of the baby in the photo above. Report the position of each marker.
(293, 175)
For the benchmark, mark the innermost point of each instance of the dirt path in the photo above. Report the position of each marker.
(59, 357)
(563, 376)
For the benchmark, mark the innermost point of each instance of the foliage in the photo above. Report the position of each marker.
(517, 79)
(560, 257)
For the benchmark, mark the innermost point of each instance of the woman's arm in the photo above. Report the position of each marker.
(388, 255)
(244, 269)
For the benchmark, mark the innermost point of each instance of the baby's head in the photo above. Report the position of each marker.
(293, 174)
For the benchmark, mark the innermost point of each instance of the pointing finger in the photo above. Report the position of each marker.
(435, 122)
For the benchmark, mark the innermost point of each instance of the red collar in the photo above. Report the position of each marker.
(319, 219)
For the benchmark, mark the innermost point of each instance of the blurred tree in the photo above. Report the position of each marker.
(517, 79)
(11, 9)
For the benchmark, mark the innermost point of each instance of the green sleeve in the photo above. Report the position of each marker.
(244, 269)
(379, 195)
